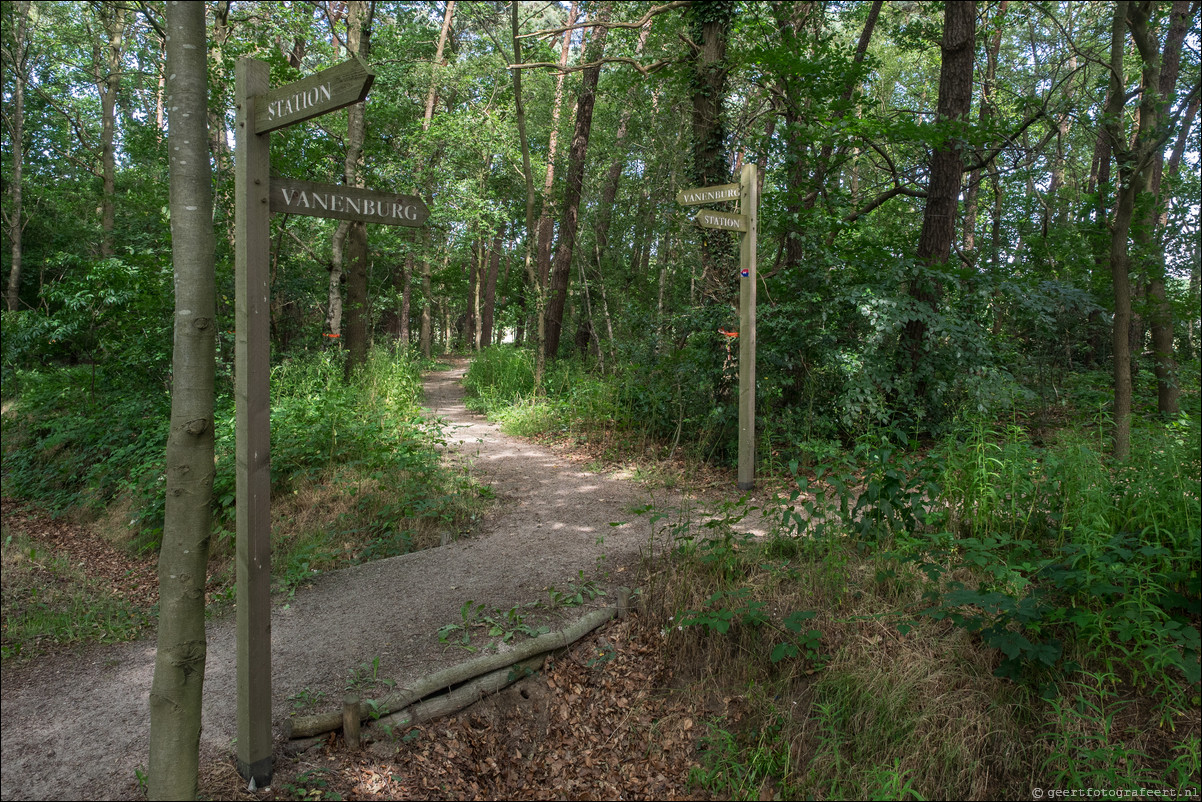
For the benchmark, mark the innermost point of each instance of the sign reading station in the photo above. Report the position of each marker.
(722, 220)
(695, 197)
(346, 203)
(323, 92)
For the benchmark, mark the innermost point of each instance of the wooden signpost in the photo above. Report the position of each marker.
(745, 223)
(261, 110)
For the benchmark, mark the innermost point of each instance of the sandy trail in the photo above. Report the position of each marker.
(76, 726)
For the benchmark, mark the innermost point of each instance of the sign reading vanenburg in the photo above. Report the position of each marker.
(695, 197)
(346, 203)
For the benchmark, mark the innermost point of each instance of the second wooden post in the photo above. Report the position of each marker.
(747, 207)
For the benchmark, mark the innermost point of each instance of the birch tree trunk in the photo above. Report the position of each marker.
(175, 694)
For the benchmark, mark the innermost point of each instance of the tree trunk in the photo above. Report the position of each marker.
(1147, 235)
(488, 307)
(532, 285)
(546, 226)
(558, 289)
(16, 61)
(358, 43)
(175, 695)
(609, 190)
(972, 191)
(711, 21)
(425, 333)
(406, 298)
(947, 168)
(1124, 207)
(474, 269)
(337, 258)
(113, 18)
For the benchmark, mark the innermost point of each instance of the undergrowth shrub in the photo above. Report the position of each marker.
(77, 437)
(949, 622)
(365, 438)
(1072, 555)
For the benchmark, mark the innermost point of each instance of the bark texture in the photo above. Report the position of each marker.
(947, 169)
(175, 695)
(569, 223)
(16, 60)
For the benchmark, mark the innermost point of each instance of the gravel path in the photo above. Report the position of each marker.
(76, 726)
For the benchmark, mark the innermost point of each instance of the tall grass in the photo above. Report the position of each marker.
(1027, 619)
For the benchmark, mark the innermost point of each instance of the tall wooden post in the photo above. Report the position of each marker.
(252, 372)
(747, 207)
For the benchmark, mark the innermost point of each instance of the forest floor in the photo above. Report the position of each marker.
(601, 721)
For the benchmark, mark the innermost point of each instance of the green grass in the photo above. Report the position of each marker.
(49, 602)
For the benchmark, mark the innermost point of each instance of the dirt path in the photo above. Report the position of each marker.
(76, 726)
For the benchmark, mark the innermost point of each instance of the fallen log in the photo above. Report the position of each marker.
(467, 693)
(448, 679)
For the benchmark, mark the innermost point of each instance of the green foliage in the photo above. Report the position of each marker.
(576, 593)
(312, 784)
(364, 439)
(113, 311)
(493, 622)
(80, 437)
(366, 678)
(1060, 543)
(499, 375)
(742, 766)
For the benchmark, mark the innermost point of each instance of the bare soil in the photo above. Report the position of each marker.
(76, 725)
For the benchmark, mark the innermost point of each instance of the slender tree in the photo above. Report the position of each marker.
(946, 169)
(425, 333)
(15, 52)
(107, 70)
(577, 152)
(175, 695)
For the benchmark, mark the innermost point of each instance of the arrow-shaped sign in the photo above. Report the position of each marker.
(326, 91)
(695, 197)
(723, 220)
(346, 203)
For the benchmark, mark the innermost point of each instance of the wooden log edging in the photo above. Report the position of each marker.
(474, 678)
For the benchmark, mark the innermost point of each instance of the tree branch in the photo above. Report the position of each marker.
(644, 70)
(880, 199)
(640, 23)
